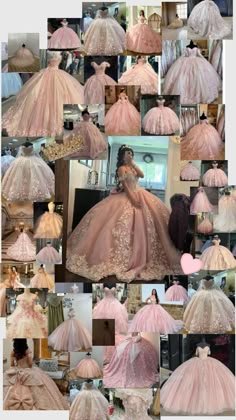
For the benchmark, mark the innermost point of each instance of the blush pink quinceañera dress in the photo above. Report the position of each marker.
(88, 368)
(94, 88)
(217, 257)
(225, 220)
(89, 404)
(42, 280)
(38, 109)
(64, 38)
(49, 225)
(190, 173)
(209, 311)
(215, 177)
(208, 387)
(116, 238)
(142, 38)
(48, 255)
(200, 203)
(141, 74)
(122, 118)
(136, 403)
(71, 335)
(176, 292)
(161, 120)
(23, 249)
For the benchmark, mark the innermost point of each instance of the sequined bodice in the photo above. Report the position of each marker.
(131, 180)
(27, 305)
(71, 314)
(207, 284)
(109, 293)
(135, 408)
(203, 121)
(54, 63)
(100, 68)
(142, 19)
(103, 14)
(64, 24)
(216, 242)
(191, 52)
(160, 103)
(27, 151)
(203, 352)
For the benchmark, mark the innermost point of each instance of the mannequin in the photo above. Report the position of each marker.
(191, 45)
(203, 116)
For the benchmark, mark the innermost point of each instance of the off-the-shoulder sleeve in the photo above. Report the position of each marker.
(107, 64)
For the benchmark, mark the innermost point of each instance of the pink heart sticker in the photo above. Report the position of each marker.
(189, 264)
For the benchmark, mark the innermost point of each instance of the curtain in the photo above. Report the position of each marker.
(188, 118)
(220, 123)
(171, 51)
(215, 55)
(55, 311)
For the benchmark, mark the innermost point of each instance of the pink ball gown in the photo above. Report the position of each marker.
(122, 118)
(110, 308)
(133, 365)
(205, 19)
(48, 255)
(136, 403)
(6, 162)
(215, 177)
(193, 78)
(176, 292)
(11, 283)
(93, 141)
(38, 109)
(208, 387)
(209, 311)
(161, 120)
(29, 388)
(28, 178)
(104, 36)
(23, 249)
(116, 238)
(205, 227)
(94, 88)
(42, 280)
(26, 321)
(176, 23)
(11, 84)
(23, 58)
(49, 225)
(89, 404)
(200, 203)
(71, 335)
(141, 38)
(141, 74)
(202, 142)
(153, 318)
(88, 368)
(190, 173)
(64, 38)
(225, 220)
(217, 257)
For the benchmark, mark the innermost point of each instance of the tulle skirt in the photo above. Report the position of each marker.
(190, 173)
(38, 110)
(104, 37)
(176, 293)
(122, 119)
(200, 204)
(202, 142)
(111, 308)
(209, 312)
(141, 75)
(89, 405)
(143, 39)
(70, 336)
(22, 249)
(217, 257)
(48, 255)
(161, 121)
(194, 79)
(94, 88)
(26, 324)
(28, 179)
(64, 38)
(11, 84)
(88, 368)
(225, 220)
(49, 225)
(198, 387)
(42, 281)
(215, 178)
(205, 227)
(6, 162)
(154, 318)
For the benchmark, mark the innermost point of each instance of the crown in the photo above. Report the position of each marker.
(125, 146)
(56, 151)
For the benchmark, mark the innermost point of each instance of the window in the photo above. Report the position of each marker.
(181, 10)
(154, 172)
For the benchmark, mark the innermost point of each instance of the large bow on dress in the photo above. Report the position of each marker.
(134, 350)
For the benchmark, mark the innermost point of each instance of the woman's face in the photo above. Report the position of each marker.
(128, 156)
(153, 291)
(141, 13)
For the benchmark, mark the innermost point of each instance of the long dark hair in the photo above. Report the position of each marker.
(20, 347)
(120, 162)
(156, 295)
(141, 13)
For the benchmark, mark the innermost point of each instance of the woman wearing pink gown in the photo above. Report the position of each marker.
(26, 387)
(141, 38)
(217, 257)
(153, 318)
(104, 36)
(71, 335)
(161, 120)
(38, 109)
(209, 311)
(215, 177)
(13, 282)
(94, 88)
(48, 255)
(141, 74)
(64, 38)
(89, 404)
(207, 385)
(28, 178)
(126, 234)
(205, 226)
(110, 308)
(26, 321)
(200, 203)
(176, 292)
(88, 368)
(122, 118)
(49, 225)
(93, 141)
(202, 142)
(134, 364)
(205, 19)
(42, 280)
(190, 173)
(193, 78)
(23, 249)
